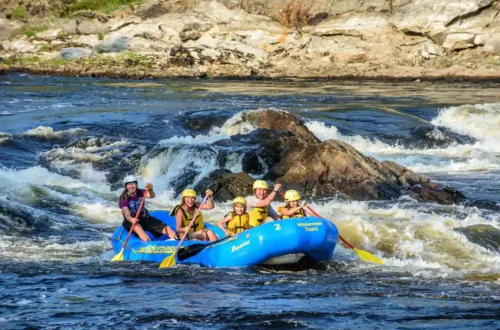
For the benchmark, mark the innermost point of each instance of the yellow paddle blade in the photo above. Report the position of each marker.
(367, 256)
(118, 257)
(168, 262)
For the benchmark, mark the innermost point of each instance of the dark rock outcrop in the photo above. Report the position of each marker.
(251, 163)
(280, 120)
(271, 144)
(227, 185)
(298, 160)
(204, 120)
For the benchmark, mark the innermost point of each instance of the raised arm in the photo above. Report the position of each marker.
(150, 191)
(292, 211)
(210, 202)
(270, 197)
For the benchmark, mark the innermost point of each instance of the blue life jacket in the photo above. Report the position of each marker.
(133, 206)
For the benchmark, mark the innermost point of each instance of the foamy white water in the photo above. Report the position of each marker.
(413, 238)
(43, 249)
(481, 121)
(4, 137)
(234, 125)
(18, 179)
(49, 133)
(483, 155)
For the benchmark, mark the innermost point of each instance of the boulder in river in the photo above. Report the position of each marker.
(298, 160)
(227, 185)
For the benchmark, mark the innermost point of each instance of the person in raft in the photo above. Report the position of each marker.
(238, 220)
(292, 209)
(259, 204)
(129, 203)
(185, 212)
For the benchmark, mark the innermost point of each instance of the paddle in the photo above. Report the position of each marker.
(192, 250)
(364, 255)
(170, 260)
(119, 256)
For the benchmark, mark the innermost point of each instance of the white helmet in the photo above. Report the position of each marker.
(129, 179)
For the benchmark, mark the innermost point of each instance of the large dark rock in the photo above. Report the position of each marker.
(227, 185)
(297, 159)
(251, 163)
(335, 168)
(281, 120)
(271, 144)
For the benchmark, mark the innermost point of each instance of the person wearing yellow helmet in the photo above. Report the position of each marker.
(238, 220)
(129, 202)
(185, 212)
(292, 209)
(259, 204)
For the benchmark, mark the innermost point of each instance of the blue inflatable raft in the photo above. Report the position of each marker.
(277, 242)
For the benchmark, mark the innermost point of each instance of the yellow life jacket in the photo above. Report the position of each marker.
(238, 223)
(187, 217)
(299, 214)
(258, 215)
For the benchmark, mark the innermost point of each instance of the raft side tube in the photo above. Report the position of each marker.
(314, 237)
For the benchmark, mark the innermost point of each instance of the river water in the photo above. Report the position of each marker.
(66, 143)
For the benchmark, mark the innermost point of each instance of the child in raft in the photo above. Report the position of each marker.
(292, 209)
(259, 205)
(238, 220)
(185, 212)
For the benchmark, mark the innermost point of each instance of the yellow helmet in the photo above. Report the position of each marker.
(292, 195)
(188, 193)
(240, 200)
(260, 184)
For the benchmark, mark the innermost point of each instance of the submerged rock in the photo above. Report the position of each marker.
(484, 235)
(484, 204)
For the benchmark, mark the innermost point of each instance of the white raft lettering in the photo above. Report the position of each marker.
(157, 249)
(309, 224)
(238, 247)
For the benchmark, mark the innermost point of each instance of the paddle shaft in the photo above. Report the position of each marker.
(192, 250)
(319, 216)
(136, 217)
(190, 224)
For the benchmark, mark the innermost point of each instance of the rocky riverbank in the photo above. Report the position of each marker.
(383, 39)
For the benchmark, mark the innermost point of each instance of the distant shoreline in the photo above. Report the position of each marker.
(124, 74)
